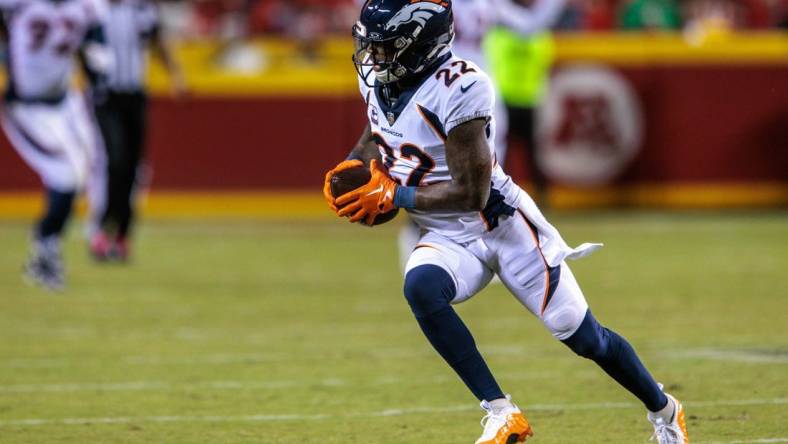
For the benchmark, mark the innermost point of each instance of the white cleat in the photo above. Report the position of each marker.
(45, 265)
(506, 426)
(673, 431)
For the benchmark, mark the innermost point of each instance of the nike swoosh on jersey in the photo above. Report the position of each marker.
(465, 89)
(378, 190)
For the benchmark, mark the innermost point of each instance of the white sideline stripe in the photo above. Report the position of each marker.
(382, 413)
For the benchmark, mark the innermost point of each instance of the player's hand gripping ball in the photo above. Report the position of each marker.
(352, 179)
(344, 165)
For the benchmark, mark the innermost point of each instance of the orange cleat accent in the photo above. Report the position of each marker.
(673, 431)
(515, 429)
(683, 423)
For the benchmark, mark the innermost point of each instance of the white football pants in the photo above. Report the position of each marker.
(512, 252)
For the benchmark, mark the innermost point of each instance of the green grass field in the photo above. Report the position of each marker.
(297, 332)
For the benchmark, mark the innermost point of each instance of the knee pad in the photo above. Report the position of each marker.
(591, 340)
(428, 289)
(564, 321)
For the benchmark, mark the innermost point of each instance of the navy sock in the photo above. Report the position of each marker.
(429, 289)
(617, 358)
(58, 211)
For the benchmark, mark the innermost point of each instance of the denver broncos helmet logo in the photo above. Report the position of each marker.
(419, 11)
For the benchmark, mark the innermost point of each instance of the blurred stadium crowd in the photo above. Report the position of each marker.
(307, 18)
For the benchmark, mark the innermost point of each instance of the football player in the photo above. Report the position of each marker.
(429, 146)
(46, 120)
(131, 26)
(473, 19)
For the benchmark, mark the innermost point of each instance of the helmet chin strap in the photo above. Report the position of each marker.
(387, 76)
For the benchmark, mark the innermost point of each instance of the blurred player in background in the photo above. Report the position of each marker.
(429, 146)
(46, 120)
(473, 20)
(521, 65)
(130, 26)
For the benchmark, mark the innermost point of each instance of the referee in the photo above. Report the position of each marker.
(131, 27)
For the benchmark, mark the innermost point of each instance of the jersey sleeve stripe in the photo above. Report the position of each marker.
(477, 115)
(433, 121)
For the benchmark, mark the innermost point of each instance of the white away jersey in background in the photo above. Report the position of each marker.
(412, 136)
(43, 37)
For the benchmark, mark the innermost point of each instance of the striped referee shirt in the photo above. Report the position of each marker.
(128, 27)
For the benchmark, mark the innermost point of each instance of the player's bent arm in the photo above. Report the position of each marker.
(366, 149)
(470, 164)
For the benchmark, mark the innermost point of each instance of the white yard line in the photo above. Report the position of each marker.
(749, 441)
(156, 386)
(729, 355)
(716, 354)
(165, 386)
(30, 422)
(764, 440)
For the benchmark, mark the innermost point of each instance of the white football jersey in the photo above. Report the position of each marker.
(43, 36)
(411, 137)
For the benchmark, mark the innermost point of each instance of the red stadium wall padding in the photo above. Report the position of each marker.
(701, 124)
(712, 124)
(249, 143)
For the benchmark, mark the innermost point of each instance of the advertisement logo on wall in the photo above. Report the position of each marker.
(590, 126)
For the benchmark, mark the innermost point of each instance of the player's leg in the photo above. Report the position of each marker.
(439, 273)
(37, 133)
(616, 357)
(134, 126)
(553, 295)
(96, 186)
(88, 139)
(110, 117)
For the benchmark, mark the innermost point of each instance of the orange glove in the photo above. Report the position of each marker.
(366, 202)
(345, 164)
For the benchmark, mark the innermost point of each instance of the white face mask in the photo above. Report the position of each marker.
(388, 76)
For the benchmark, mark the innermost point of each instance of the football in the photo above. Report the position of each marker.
(348, 180)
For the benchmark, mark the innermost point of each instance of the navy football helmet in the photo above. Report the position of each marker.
(395, 39)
